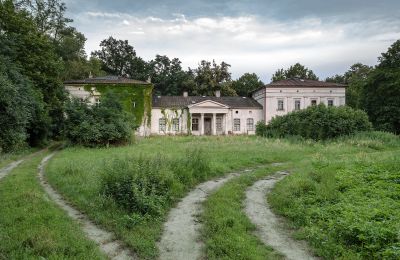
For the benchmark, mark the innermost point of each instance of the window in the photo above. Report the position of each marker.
(297, 104)
(280, 104)
(330, 102)
(219, 123)
(250, 124)
(97, 101)
(175, 124)
(313, 102)
(236, 124)
(161, 124)
(195, 124)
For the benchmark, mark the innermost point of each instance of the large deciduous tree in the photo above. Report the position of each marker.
(119, 58)
(34, 53)
(247, 83)
(210, 76)
(295, 71)
(167, 75)
(355, 79)
(381, 94)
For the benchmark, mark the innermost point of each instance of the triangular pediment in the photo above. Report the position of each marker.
(208, 104)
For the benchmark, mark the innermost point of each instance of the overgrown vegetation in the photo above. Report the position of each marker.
(149, 186)
(317, 123)
(98, 125)
(347, 206)
(32, 226)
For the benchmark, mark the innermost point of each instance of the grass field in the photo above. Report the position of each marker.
(78, 173)
(33, 227)
(6, 158)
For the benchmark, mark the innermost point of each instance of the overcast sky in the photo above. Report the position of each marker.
(251, 35)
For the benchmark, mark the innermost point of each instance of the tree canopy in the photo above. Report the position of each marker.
(381, 94)
(247, 83)
(295, 71)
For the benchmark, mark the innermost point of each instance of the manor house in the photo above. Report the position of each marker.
(211, 115)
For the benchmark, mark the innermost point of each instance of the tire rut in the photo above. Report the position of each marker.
(270, 227)
(7, 169)
(181, 238)
(106, 241)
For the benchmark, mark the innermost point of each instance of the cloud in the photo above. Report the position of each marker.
(250, 43)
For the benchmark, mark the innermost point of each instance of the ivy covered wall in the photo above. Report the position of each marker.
(136, 99)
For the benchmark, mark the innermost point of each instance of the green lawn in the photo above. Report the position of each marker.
(78, 173)
(32, 226)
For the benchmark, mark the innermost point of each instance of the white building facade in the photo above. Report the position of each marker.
(282, 97)
(200, 115)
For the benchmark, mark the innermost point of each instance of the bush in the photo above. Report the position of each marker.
(317, 122)
(98, 125)
(146, 186)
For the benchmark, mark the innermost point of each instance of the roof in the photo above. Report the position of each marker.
(182, 102)
(106, 80)
(303, 83)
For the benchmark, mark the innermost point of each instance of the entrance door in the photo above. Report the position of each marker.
(207, 126)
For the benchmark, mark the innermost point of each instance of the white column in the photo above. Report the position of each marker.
(202, 124)
(214, 125)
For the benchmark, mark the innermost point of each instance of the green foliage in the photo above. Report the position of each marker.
(355, 79)
(148, 186)
(317, 122)
(295, 71)
(119, 58)
(97, 125)
(247, 83)
(23, 117)
(209, 77)
(167, 76)
(347, 207)
(381, 95)
(136, 100)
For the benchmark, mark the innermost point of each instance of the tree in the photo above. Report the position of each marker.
(209, 77)
(381, 94)
(246, 83)
(355, 79)
(119, 58)
(99, 125)
(22, 114)
(295, 71)
(167, 75)
(19, 37)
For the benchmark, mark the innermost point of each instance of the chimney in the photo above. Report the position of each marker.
(218, 93)
(185, 94)
(148, 80)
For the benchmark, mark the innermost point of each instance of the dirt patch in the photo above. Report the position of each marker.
(113, 248)
(6, 170)
(270, 228)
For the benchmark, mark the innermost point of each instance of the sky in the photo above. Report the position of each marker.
(252, 36)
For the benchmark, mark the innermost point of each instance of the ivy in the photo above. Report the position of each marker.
(135, 99)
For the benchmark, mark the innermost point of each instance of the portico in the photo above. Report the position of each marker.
(208, 118)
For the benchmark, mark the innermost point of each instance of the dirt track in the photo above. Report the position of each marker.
(270, 228)
(113, 248)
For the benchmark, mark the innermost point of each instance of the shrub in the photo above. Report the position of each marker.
(146, 186)
(317, 122)
(98, 125)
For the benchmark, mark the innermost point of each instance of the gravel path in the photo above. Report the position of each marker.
(180, 239)
(6, 170)
(113, 248)
(270, 228)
